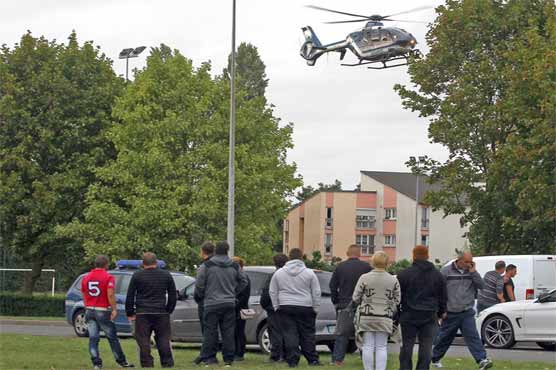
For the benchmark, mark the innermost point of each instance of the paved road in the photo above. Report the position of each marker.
(522, 351)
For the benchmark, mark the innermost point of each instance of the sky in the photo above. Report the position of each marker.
(346, 119)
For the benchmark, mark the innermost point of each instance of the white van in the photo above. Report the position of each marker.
(536, 274)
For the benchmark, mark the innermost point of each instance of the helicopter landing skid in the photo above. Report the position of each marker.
(384, 65)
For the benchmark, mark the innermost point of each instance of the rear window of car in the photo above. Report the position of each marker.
(324, 281)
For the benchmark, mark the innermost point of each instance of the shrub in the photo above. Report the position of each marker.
(398, 266)
(14, 304)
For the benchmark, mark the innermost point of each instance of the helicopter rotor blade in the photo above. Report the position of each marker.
(351, 21)
(400, 20)
(335, 11)
(409, 11)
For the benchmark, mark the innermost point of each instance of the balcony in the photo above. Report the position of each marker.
(365, 224)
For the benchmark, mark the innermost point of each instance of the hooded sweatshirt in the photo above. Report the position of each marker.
(295, 285)
(423, 288)
(219, 282)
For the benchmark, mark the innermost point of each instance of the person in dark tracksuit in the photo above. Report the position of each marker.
(342, 284)
(424, 300)
(273, 318)
(219, 282)
(242, 303)
(151, 298)
(207, 251)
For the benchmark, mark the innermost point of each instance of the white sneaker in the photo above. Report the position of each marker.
(485, 364)
(437, 364)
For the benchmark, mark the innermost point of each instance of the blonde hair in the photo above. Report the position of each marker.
(379, 260)
(240, 261)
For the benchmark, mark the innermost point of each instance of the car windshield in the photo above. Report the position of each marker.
(182, 281)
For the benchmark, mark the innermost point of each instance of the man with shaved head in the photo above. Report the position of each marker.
(462, 282)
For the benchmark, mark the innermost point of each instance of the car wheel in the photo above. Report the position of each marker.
(79, 324)
(497, 332)
(263, 339)
(549, 346)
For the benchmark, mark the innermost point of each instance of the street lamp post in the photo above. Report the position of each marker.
(418, 164)
(231, 158)
(130, 53)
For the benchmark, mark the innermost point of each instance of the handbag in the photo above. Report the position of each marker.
(344, 321)
(247, 313)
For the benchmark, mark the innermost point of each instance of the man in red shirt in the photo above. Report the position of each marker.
(101, 310)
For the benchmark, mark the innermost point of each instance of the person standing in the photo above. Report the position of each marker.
(462, 283)
(219, 282)
(101, 311)
(377, 296)
(273, 318)
(242, 303)
(207, 251)
(342, 284)
(151, 298)
(424, 299)
(493, 291)
(295, 294)
(509, 287)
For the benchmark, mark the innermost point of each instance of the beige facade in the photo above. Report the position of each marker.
(379, 217)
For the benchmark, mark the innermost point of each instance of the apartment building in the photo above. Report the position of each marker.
(379, 217)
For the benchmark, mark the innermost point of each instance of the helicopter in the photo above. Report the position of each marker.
(373, 44)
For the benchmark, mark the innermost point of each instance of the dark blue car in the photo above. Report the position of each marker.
(75, 308)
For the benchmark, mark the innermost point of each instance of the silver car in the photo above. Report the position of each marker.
(185, 320)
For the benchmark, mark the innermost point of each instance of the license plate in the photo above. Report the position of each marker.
(331, 329)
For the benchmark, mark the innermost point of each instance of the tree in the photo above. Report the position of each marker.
(251, 77)
(308, 191)
(488, 86)
(55, 107)
(167, 189)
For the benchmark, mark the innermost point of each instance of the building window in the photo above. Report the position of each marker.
(366, 242)
(365, 218)
(328, 217)
(390, 213)
(424, 218)
(327, 244)
(389, 240)
(425, 240)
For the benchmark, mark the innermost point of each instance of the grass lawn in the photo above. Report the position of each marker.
(34, 318)
(55, 353)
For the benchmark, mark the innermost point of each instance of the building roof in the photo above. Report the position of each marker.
(328, 191)
(403, 182)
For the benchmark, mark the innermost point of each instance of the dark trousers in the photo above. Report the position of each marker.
(223, 318)
(144, 326)
(464, 321)
(100, 320)
(298, 328)
(276, 336)
(241, 340)
(425, 329)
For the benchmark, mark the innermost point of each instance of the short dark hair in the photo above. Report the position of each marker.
(101, 261)
(296, 254)
(149, 259)
(499, 265)
(279, 260)
(208, 248)
(222, 248)
(511, 267)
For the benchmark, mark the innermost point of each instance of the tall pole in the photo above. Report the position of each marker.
(126, 68)
(231, 163)
(416, 209)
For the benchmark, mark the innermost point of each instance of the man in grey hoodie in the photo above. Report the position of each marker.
(219, 281)
(295, 294)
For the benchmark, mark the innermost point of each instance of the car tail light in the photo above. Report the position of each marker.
(529, 293)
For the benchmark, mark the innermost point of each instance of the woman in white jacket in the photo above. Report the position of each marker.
(377, 295)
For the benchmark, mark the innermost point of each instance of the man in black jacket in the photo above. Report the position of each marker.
(424, 299)
(242, 303)
(219, 282)
(342, 285)
(147, 305)
(273, 320)
(207, 251)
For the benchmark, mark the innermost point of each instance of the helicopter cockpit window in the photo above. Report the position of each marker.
(375, 35)
(385, 36)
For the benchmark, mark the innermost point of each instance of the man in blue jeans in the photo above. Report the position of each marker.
(462, 282)
(100, 311)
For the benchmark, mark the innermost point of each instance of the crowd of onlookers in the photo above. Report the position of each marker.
(372, 306)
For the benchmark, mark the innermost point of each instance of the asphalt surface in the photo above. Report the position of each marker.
(521, 351)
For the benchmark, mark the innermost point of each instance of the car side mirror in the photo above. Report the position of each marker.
(545, 297)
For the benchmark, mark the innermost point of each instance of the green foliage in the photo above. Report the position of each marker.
(316, 262)
(55, 107)
(250, 72)
(308, 191)
(398, 266)
(14, 304)
(488, 86)
(167, 189)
